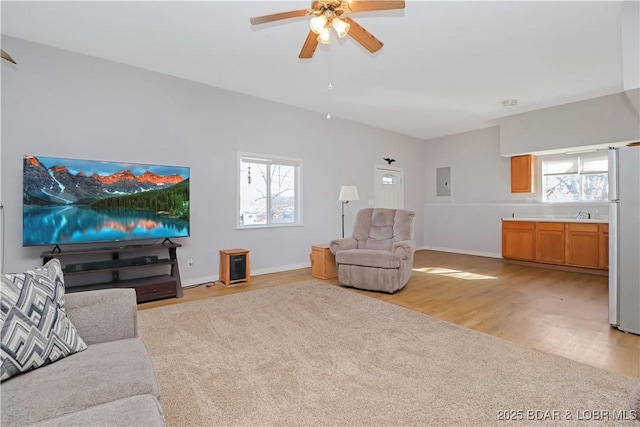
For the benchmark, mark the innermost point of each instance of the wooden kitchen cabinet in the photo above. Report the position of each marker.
(518, 240)
(583, 245)
(523, 174)
(550, 242)
(603, 241)
(574, 244)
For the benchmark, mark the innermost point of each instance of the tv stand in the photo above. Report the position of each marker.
(100, 268)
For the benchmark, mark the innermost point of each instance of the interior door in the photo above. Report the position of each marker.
(389, 187)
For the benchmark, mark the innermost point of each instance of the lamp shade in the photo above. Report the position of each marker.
(341, 27)
(318, 23)
(348, 193)
(324, 36)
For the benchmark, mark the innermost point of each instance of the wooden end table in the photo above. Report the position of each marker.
(323, 262)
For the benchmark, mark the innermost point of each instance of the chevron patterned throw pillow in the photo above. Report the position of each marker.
(35, 328)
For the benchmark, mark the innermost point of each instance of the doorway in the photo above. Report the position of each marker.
(389, 187)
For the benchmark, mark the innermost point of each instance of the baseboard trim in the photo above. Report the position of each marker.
(460, 251)
(197, 281)
(569, 268)
(208, 279)
(280, 269)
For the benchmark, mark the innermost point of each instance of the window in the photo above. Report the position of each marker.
(573, 178)
(269, 191)
(388, 179)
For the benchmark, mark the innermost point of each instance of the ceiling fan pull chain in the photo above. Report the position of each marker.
(329, 90)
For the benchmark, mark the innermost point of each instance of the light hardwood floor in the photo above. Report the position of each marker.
(559, 312)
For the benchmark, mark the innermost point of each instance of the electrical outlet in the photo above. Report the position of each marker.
(190, 262)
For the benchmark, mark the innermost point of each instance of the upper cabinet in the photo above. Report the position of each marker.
(523, 174)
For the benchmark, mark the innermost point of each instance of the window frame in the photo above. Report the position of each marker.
(579, 158)
(270, 160)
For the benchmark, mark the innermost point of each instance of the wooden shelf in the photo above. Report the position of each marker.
(108, 250)
(148, 288)
(160, 262)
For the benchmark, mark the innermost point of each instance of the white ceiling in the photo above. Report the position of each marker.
(445, 68)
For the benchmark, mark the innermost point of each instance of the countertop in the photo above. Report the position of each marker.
(598, 221)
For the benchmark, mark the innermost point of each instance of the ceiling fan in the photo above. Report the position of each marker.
(330, 13)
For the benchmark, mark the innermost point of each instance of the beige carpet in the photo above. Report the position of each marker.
(316, 354)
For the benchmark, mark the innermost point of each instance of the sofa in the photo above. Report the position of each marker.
(379, 254)
(111, 381)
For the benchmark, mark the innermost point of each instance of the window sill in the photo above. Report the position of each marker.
(258, 226)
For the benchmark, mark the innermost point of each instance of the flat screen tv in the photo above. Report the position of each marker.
(67, 201)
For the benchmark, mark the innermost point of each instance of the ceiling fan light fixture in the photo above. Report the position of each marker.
(325, 35)
(509, 104)
(341, 27)
(318, 23)
(325, 14)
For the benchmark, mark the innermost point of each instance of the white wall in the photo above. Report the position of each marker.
(479, 177)
(630, 23)
(631, 51)
(469, 220)
(478, 172)
(59, 103)
(603, 120)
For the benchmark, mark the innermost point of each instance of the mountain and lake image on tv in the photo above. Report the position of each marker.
(68, 201)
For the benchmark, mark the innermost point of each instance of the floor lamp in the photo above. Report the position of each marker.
(347, 194)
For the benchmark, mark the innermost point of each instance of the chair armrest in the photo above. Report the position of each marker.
(342, 244)
(104, 315)
(404, 248)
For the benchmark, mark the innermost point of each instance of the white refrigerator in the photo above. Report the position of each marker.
(624, 238)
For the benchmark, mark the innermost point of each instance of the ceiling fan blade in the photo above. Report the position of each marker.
(278, 16)
(374, 5)
(8, 57)
(309, 46)
(362, 36)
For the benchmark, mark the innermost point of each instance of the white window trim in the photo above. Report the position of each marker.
(564, 156)
(275, 159)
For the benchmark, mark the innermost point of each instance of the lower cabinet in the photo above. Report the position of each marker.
(603, 241)
(550, 245)
(579, 244)
(518, 240)
(583, 245)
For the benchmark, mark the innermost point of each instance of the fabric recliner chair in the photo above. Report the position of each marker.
(379, 255)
